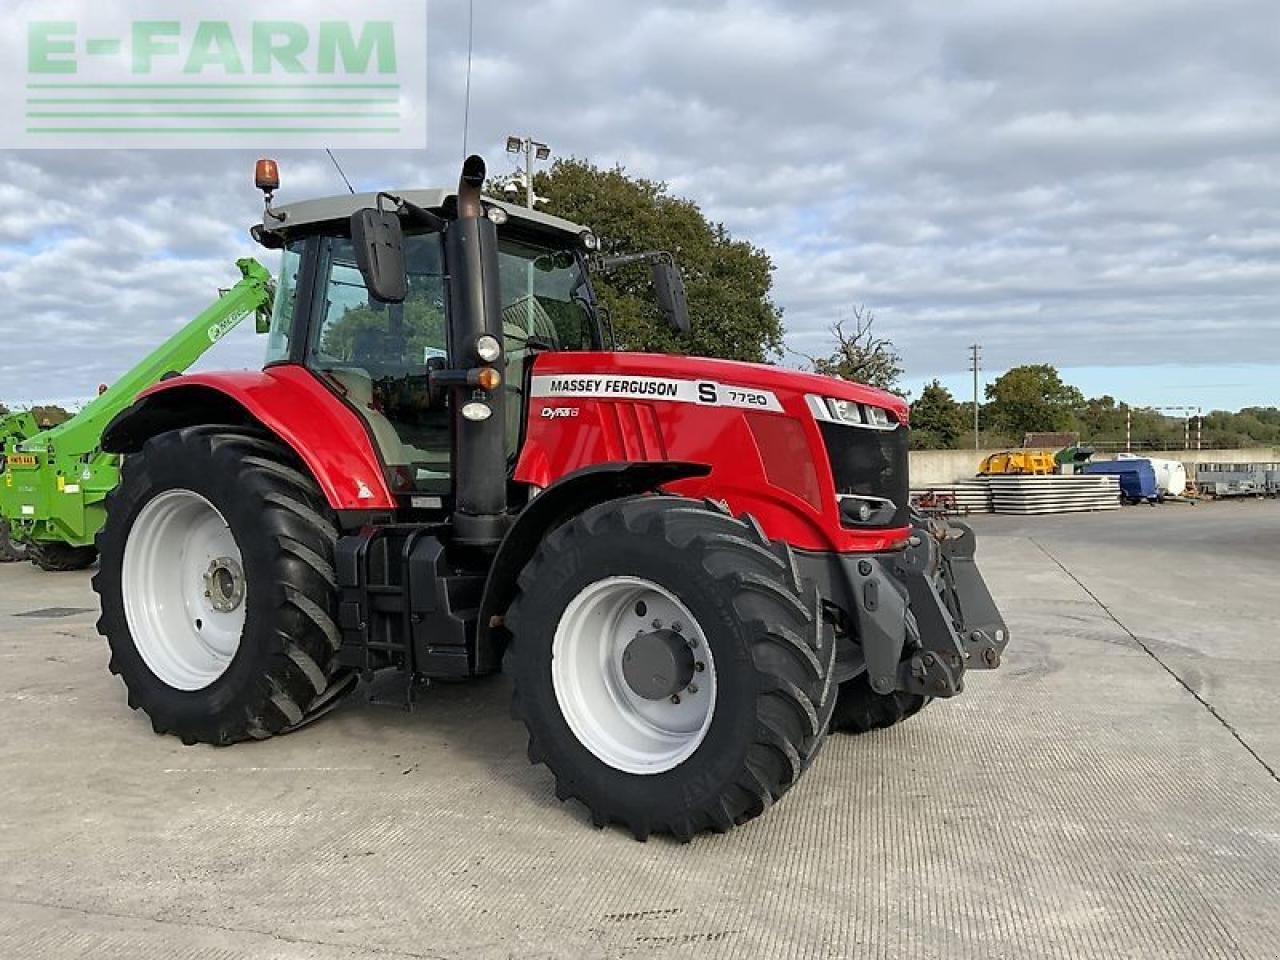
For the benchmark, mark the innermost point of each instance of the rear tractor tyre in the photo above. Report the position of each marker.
(56, 557)
(671, 668)
(11, 551)
(859, 709)
(217, 587)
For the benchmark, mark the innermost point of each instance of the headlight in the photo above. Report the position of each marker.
(851, 413)
(488, 348)
(866, 510)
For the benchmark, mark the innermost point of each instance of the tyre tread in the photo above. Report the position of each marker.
(300, 681)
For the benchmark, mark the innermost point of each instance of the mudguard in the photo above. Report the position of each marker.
(286, 400)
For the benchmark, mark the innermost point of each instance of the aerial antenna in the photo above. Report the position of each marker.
(338, 167)
(466, 103)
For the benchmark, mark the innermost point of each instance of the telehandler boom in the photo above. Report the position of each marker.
(53, 483)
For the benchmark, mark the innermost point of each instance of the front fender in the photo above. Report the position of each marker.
(287, 401)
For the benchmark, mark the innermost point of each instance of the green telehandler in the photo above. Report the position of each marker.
(53, 482)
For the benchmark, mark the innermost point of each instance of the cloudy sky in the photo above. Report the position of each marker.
(1091, 184)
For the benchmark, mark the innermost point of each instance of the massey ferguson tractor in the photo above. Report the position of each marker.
(691, 568)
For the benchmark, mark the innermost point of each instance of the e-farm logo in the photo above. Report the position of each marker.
(215, 73)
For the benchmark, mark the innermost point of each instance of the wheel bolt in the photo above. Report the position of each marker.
(678, 627)
(699, 666)
(692, 641)
(693, 688)
(657, 624)
(675, 698)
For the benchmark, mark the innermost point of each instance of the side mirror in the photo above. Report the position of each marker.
(668, 287)
(378, 240)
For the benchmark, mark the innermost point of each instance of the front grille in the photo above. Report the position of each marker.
(870, 463)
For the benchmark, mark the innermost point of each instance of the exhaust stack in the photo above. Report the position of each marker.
(475, 309)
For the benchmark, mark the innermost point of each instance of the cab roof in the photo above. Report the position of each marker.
(307, 213)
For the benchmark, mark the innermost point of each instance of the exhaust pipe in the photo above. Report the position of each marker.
(469, 184)
(475, 309)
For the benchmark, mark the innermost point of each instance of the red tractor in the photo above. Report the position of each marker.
(692, 567)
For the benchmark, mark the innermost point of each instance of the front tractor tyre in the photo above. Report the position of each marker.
(217, 587)
(859, 709)
(672, 670)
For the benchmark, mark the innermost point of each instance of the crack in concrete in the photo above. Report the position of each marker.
(1213, 711)
(361, 949)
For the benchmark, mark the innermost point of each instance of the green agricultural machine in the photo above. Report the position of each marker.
(54, 482)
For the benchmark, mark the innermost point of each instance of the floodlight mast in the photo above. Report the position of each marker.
(531, 148)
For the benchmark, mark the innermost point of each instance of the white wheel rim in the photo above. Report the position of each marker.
(620, 727)
(184, 589)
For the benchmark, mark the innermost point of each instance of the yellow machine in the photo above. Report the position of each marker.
(1018, 461)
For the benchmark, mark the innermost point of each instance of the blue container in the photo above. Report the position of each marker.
(1137, 477)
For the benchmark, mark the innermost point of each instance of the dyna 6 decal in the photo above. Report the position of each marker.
(613, 387)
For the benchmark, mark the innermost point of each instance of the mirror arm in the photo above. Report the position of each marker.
(608, 264)
(413, 213)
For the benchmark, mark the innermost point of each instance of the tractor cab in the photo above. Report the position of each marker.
(389, 360)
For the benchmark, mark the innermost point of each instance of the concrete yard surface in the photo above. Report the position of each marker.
(1112, 791)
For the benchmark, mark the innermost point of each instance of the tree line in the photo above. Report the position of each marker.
(1034, 399)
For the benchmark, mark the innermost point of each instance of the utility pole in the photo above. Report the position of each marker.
(1128, 428)
(528, 173)
(975, 365)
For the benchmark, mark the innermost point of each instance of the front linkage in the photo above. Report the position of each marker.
(921, 616)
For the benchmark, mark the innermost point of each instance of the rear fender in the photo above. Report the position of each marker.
(288, 402)
(567, 497)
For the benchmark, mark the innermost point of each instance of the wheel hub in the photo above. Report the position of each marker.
(224, 584)
(657, 664)
(184, 589)
(623, 661)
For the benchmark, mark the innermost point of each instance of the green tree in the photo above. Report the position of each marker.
(49, 415)
(937, 421)
(860, 356)
(1031, 398)
(728, 281)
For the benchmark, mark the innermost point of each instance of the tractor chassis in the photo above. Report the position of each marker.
(914, 620)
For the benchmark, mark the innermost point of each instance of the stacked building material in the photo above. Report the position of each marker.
(1054, 494)
(964, 497)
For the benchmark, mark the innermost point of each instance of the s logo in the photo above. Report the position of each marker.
(707, 393)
